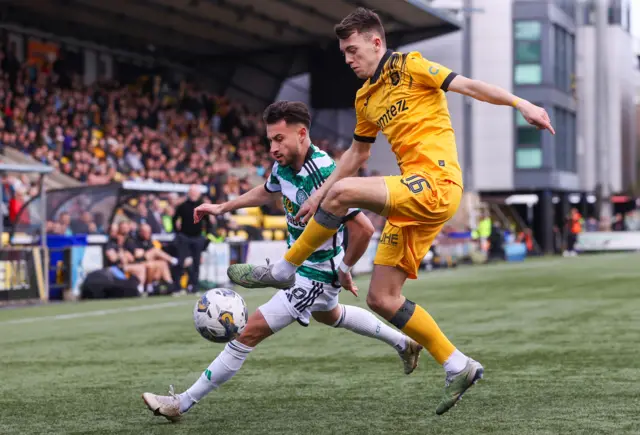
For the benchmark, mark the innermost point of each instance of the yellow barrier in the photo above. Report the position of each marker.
(275, 222)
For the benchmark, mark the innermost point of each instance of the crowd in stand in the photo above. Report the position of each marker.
(151, 130)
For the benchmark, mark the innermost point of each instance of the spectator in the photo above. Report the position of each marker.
(155, 130)
(167, 219)
(592, 224)
(496, 242)
(85, 225)
(190, 240)
(64, 222)
(119, 261)
(574, 227)
(618, 223)
(155, 260)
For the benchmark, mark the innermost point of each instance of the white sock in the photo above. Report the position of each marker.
(174, 261)
(140, 288)
(363, 322)
(283, 270)
(219, 371)
(456, 362)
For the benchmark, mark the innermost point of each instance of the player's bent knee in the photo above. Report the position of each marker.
(329, 318)
(379, 304)
(384, 304)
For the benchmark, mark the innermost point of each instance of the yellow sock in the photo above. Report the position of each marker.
(313, 236)
(423, 329)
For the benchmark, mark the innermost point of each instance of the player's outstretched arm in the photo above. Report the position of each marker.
(349, 163)
(255, 197)
(359, 230)
(488, 93)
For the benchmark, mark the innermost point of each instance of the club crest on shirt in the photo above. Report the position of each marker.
(395, 78)
(301, 196)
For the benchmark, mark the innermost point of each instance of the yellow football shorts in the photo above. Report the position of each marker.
(417, 208)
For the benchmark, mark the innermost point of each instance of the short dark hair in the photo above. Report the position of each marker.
(293, 112)
(361, 20)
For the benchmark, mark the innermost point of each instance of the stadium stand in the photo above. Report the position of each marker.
(165, 92)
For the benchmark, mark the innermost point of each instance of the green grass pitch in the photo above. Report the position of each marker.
(559, 339)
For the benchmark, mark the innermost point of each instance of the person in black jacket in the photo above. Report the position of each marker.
(496, 241)
(190, 239)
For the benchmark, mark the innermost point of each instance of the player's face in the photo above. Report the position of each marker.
(286, 141)
(361, 53)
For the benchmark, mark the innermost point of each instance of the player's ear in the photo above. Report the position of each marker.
(377, 41)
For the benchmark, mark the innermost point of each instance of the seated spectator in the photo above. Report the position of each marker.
(144, 252)
(15, 205)
(85, 225)
(120, 262)
(618, 223)
(64, 222)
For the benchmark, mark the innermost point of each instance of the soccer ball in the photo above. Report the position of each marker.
(220, 315)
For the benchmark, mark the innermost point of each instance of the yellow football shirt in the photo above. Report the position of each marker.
(406, 100)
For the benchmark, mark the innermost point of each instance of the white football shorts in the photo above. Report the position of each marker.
(298, 302)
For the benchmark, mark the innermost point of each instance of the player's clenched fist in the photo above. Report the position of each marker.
(206, 209)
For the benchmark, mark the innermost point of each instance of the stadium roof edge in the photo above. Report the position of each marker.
(225, 43)
(208, 28)
(438, 13)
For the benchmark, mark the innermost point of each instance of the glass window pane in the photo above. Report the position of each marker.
(528, 136)
(528, 51)
(528, 158)
(528, 30)
(528, 74)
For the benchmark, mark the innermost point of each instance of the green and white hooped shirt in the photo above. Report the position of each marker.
(322, 265)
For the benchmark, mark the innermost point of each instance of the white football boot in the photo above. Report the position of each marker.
(166, 406)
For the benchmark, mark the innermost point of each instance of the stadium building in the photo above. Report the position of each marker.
(546, 52)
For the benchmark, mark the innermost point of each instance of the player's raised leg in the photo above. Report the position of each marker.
(366, 193)
(364, 323)
(225, 366)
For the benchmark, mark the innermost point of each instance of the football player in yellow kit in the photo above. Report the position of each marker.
(404, 97)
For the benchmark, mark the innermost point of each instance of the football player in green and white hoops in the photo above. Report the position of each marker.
(300, 169)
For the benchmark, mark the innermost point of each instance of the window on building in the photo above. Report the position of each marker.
(528, 74)
(563, 59)
(618, 13)
(528, 30)
(528, 52)
(565, 140)
(528, 137)
(528, 158)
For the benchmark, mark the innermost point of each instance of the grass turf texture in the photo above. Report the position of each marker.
(558, 338)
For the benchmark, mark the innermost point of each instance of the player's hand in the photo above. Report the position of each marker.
(308, 209)
(346, 281)
(206, 209)
(535, 116)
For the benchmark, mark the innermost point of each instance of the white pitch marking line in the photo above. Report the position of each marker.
(95, 313)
